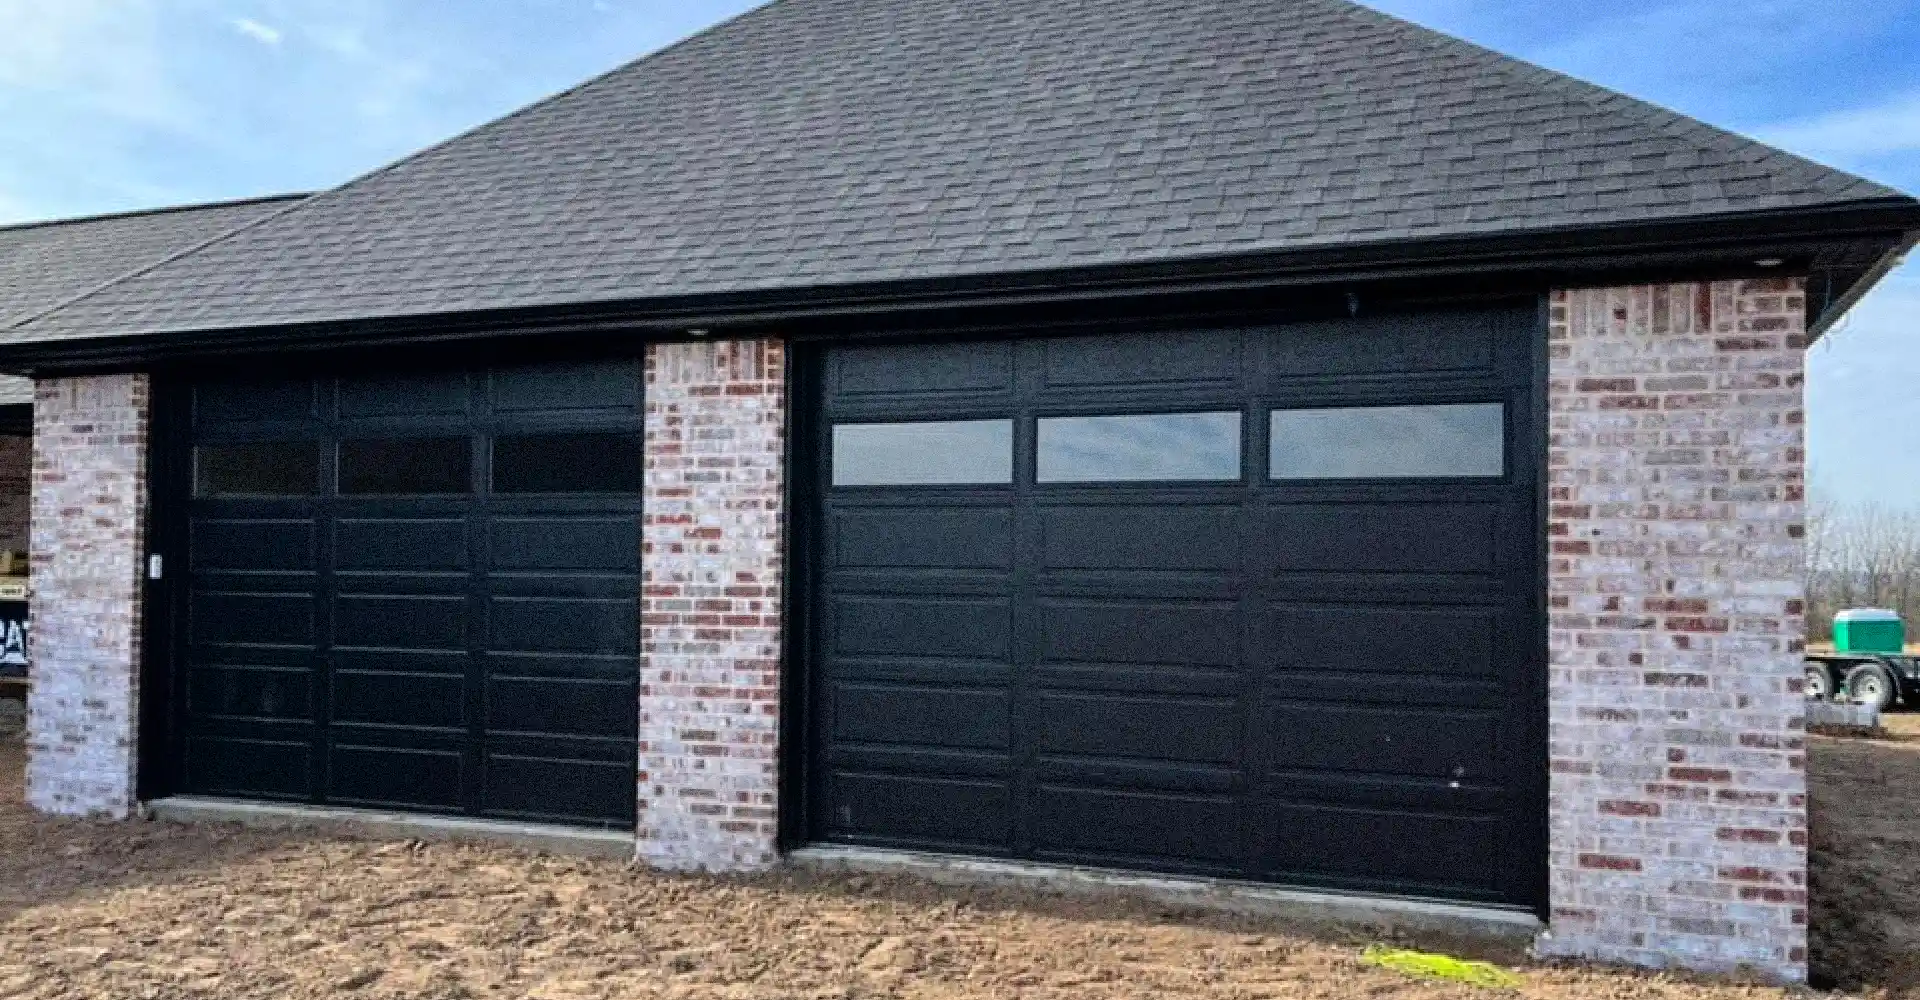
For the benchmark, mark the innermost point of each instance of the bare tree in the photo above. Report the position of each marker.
(1860, 555)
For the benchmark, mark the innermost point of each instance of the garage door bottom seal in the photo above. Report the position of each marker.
(569, 840)
(1222, 895)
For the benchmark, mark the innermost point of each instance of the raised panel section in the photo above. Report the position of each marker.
(928, 538)
(583, 790)
(553, 625)
(553, 544)
(434, 394)
(559, 388)
(1383, 538)
(1390, 346)
(400, 622)
(901, 807)
(397, 545)
(388, 698)
(257, 619)
(941, 717)
(267, 768)
(1164, 634)
(1371, 847)
(1182, 828)
(1382, 740)
(922, 369)
(1191, 538)
(395, 776)
(922, 627)
(251, 692)
(1187, 730)
(283, 400)
(275, 546)
(1451, 641)
(1200, 356)
(562, 706)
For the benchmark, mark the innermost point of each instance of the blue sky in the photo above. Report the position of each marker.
(118, 104)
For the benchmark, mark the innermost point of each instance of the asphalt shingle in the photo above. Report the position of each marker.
(826, 142)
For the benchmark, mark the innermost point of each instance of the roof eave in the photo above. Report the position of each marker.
(1691, 248)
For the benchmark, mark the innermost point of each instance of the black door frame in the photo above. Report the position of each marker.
(802, 536)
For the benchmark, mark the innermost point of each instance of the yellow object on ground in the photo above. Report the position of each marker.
(1434, 966)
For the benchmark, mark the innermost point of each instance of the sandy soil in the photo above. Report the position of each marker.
(160, 911)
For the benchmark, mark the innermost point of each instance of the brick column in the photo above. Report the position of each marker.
(1676, 485)
(88, 523)
(710, 611)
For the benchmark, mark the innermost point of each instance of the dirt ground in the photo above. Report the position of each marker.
(147, 910)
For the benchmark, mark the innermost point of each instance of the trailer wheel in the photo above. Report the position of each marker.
(1869, 683)
(1819, 684)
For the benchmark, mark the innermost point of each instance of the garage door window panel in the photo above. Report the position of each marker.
(402, 466)
(928, 453)
(257, 468)
(568, 463)
(1152, 447)
(1389, 442)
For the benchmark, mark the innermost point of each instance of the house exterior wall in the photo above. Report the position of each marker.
(1676, 511)
(89, 519)
(710, 634)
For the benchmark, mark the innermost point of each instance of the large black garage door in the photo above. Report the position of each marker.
(1257, 603)
(414, 591)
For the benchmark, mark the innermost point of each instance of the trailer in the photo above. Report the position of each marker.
(1882, 680)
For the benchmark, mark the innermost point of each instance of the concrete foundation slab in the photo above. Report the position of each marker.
(577, 841)
(1223, 895)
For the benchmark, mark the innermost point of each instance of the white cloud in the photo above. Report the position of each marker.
(262, 33)
(1890, 126)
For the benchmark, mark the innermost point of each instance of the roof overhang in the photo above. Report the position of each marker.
(1842, 250)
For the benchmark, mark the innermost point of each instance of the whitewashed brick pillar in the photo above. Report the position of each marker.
(88, 528)
(710, 635)
(1677, 505)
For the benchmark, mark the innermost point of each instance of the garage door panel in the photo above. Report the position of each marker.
(400, 621)
(406, 545)
(395, 776)
(264, 619)
(261, 545)
(1139, 632)
(1302, 680)
(922, 369)
(1394, 740)
(564, 388)
(415, 699)
(921, 809)
(922, 627)
(579, 707)
(1180, 828)
(1453, 344)
(923, 716)
(935, 538)
(563, 626)
(554, 788)
(257, 767)
(408, 395)
(1187, 358)
(555, 544)
(252, 691)
(1459, 856)
(1191, 538)
(1195, 730)
(1454, 642)
(1382, 538)
(391, 640)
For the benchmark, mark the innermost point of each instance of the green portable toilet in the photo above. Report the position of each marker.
(1868, 630)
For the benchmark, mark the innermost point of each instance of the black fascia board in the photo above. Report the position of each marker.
(1690, 249)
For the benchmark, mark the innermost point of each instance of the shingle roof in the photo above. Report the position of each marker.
(823, 142)
(43, 264)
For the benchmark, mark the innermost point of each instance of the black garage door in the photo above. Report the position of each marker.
(415, 591)
(1256, 603)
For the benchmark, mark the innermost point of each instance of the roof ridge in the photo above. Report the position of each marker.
(138, 213)
(1656, 119)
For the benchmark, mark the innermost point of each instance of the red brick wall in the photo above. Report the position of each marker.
(89, 516)
(1676, 493)
(710, 610)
